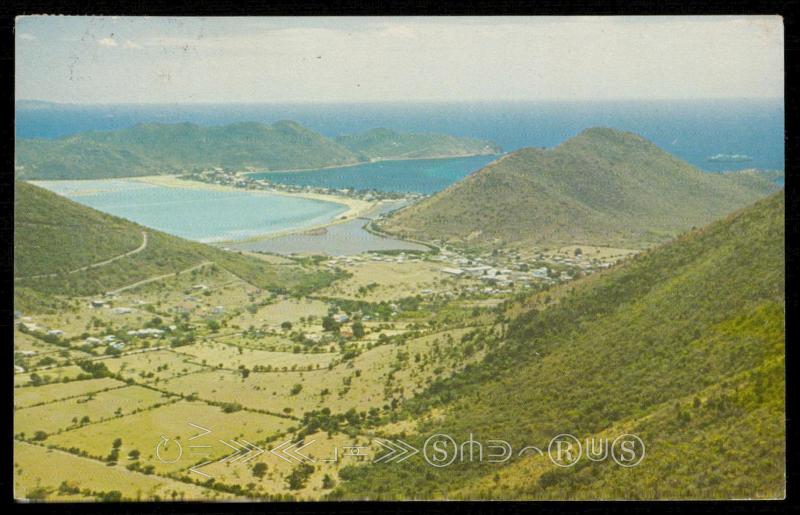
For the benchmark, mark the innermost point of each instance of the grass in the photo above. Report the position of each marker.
(50, 393)
(54, 417)
(143, 431)
(33, 473)
(683, 344)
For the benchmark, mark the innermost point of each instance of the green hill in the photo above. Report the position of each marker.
(149, 149)
(154, 148)
(378, 144)
(682, 345)
(64, 248)
(603, 187)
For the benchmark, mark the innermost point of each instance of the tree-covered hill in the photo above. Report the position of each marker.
(58, 242)
(389, 144)
(603, 187)
(682, 346)
(156, 148)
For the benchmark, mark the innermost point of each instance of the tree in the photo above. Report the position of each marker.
(297, 479)
(286, 326)
(328, 482)
(259, 469)
(358, 330)
(329, 324)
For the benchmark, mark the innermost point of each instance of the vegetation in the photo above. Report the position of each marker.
(154, 148)
(683, 346)
(602, 187)
(55, 238)
(388, 144)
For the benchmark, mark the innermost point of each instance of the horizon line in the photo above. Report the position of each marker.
(385, 102)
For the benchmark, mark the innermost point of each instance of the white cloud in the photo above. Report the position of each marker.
(131, 44)
(403, 59)
(109, 42)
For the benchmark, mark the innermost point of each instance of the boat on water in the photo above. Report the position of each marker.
(730, 158)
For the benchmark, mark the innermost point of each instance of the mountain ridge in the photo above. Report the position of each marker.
(152, 148)
(602, 187)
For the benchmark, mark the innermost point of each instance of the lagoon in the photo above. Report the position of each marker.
(340, 239)
(199, 214)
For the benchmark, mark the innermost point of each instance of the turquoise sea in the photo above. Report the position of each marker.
(198, 214)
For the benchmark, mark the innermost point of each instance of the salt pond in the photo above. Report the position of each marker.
(200, 214)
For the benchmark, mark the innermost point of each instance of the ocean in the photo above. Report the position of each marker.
(693, 130)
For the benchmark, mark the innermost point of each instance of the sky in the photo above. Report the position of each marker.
(396, 59)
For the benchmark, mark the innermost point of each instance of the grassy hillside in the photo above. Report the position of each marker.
(169, 148)
(388, 144)
(54, 235)
(153, 148)
(682, 346)
(601, 187)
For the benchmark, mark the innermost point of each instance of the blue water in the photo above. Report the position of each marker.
(198, 214)
(692, 130)
(412, 176)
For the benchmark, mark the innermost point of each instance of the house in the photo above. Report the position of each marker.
(18, 369)
(340, 318)
(121, 311)
(28, 326)
(218, 310)
(55, 332)
(118, 345)
(346, 331)
(98, 303)
(92, 341)
(108, 339)
(144, 333)
(453, 271)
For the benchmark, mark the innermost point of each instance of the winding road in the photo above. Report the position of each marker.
(95, 265)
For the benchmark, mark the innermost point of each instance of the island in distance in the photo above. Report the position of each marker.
(155, 148)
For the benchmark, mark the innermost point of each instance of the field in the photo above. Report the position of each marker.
(193, 384)
(33, 477)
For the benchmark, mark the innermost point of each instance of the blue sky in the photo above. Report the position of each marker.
(155, 60)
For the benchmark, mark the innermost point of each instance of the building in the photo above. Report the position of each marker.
(55, 332)
(453, 271)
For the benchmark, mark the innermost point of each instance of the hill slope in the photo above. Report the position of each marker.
(682, 346)
(62, 247)
(387, 144)
(603, 187)
(150, 149)
(171, 148)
